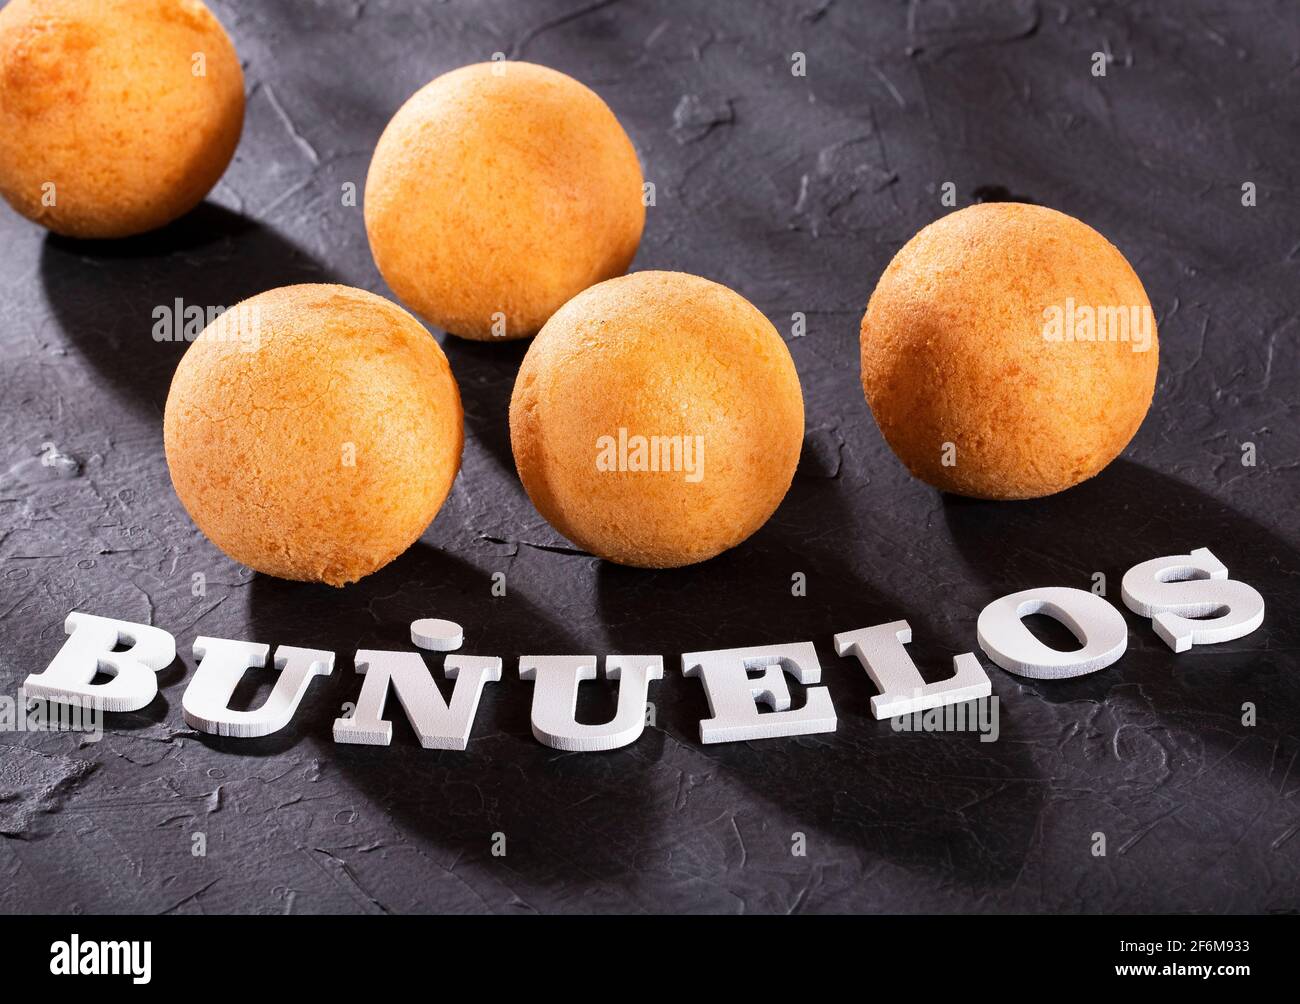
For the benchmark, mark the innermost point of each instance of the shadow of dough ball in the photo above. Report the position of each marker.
(657, 419)
(496, 193)
(313, 432)
(116, 116)
(1009, 351)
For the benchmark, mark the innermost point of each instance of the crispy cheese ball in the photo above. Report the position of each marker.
(116, 116)
(313, 432)
(1009, 351)
(657, 419)
(496, 193)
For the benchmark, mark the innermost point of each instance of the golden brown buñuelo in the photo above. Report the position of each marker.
(670, 358)
(498, 192)
(313, 432)
(116, 116)
(961, 366)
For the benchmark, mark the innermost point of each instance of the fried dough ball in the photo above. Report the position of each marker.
(496, 193)
(657, 419)
(116, 116)
(1009, 351)
(313, 432)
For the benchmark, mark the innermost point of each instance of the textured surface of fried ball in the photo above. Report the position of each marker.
(313, 432)
(496, 193)
(958, 348)
(106, 126)
(668, 355)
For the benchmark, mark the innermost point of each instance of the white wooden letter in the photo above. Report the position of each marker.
(734, 695)
(902, 689)
(555, 699)
(439, 725)
(1099, 627)
(89, 650)
(1176, 590)
(222, 664)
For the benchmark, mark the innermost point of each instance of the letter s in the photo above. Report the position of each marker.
(1191, 600)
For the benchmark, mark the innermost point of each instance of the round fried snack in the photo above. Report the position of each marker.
(1009, 351)
(313, 432)
(657, 419)
(498, 192)
(116, 116)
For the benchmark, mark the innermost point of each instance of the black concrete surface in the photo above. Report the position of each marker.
(795, 191)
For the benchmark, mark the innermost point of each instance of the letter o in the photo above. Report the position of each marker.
(1100, 628)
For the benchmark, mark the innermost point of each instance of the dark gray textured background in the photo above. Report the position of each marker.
(796, 192)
